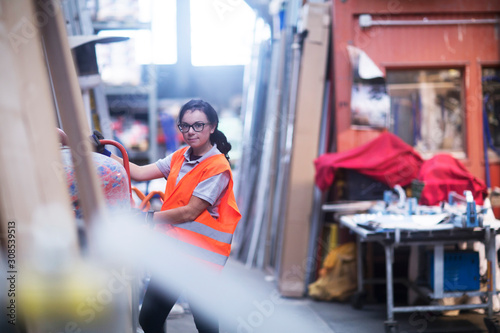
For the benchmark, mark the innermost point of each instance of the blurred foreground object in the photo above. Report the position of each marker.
(111, 175)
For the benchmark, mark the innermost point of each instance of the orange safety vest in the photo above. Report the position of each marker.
(207, 238)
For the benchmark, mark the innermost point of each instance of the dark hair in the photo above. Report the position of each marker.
(217, 136)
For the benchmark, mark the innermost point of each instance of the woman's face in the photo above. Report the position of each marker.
(199, 141)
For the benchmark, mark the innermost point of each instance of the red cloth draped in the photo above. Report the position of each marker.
(391, 161)
(442, 174)
(387, 159)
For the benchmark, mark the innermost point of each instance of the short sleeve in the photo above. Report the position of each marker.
(211, 189)
(164, 165)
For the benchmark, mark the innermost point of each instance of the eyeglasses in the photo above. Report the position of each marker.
(197, 127)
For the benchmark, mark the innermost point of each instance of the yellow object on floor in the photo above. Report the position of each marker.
(337, 277)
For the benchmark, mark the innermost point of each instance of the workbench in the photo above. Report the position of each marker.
(437, 237)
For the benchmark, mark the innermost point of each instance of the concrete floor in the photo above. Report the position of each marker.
(307, 315)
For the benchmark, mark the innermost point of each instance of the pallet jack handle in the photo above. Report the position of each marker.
(142, 197)
(126, 164)
(145, 201)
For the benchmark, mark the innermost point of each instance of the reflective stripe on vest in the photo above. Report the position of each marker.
(205, 230)
(204, 254)
(205, 238)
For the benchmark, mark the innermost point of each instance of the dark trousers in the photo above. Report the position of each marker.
(157, 305)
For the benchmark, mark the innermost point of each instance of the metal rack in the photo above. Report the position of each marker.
(390, 239)
(80, 21)
(148, 88)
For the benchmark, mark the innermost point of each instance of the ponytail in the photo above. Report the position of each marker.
(220, 140)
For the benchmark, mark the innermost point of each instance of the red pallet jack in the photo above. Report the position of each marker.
(145, 205)
(145, 199)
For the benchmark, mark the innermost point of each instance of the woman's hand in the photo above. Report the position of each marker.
(98, 146)
(187, 213)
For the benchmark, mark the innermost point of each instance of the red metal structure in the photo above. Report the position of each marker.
(419, 35)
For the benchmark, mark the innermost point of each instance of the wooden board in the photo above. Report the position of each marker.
(71, 110)
(305, 149)
(30, 175)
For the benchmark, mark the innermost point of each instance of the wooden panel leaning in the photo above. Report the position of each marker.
(38, 232)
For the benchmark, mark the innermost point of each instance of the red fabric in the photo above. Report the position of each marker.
(442, 174)
(387, 159)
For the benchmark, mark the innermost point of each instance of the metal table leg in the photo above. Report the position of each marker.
(390, 324)
(359, 297)
(494, 265)
(359, 263)
(438, 271)
(492, 323)
(491, 255)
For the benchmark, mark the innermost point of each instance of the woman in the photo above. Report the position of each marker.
(199, 208)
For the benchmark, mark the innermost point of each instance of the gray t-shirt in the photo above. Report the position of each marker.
(211, 189)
